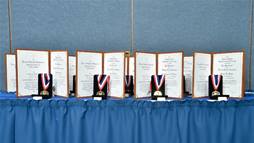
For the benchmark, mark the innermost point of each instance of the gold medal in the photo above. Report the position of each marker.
(44, 92)
(215, 93)
(157, 93)
(100, 93)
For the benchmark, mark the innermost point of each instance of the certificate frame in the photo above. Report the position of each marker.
(103, 53)
(5, 62)
(135, 72)
(157, 58)
(76, 82)
(192, 69)
(67, 68)
(193, 72)
(243, 69)
(17, 84)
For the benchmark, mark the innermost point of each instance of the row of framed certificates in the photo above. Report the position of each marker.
(182, 74)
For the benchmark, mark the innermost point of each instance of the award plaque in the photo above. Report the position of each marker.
(168, 64)
(158, 86)
(201, 70)
(129, 85)
(59, 71)
(10, 64)
(30, 63)
(45, 83)
(231, 65)
(101, 86)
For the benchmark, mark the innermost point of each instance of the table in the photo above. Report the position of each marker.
(125, 121)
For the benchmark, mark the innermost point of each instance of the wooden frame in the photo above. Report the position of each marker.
(67, 68)
(135, 73)
(123, 94)
(182, 85)
(102, 72)
(6, 78)
(211, 70)
(193, 75)
(243, 69)
(17, 73)
(85, 51)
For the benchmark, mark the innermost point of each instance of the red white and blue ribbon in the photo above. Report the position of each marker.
(45, 78)
(103, 81)
(128, 80)
(158, 81)
(214, 83)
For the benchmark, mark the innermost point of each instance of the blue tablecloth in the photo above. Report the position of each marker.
(74, 120)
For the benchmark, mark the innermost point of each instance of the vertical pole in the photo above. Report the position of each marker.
(10, 24)
(132, 28)
(250, 41)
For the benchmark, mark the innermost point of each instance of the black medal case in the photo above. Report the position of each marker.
(129, 85)
(45, 93)
(103, 93)
(155, 94)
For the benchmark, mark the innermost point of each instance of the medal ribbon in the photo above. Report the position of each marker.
(158, 82)
(45, 78)
(216, 86)
(128, 82)
(105, 80)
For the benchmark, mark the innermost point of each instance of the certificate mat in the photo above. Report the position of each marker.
(188, 67)
(59, 70)
(201, 71)
(171, 65)
(29, 63)
(88, 64)
(145, 67)
(231, 67)
(72, 71)
(10, 62)
(114, 67)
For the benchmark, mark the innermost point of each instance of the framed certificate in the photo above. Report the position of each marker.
(29, 63)
(10, 63)
(88, 64)
(96, 63)
(72, 71)
(171, 65)
(168, 64)
(188, 67)
(202, 63)
(114, 66)
(59, 71)
(231, 66)
(145, 67)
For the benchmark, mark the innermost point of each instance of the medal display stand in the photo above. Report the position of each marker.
(216, 87)
(101, 87)
(158, 87)
(45, 83)
(129, 86)
(72, 92)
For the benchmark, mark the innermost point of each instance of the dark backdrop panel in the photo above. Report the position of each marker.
(4, 40)
(73, 24)
(194, 25)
